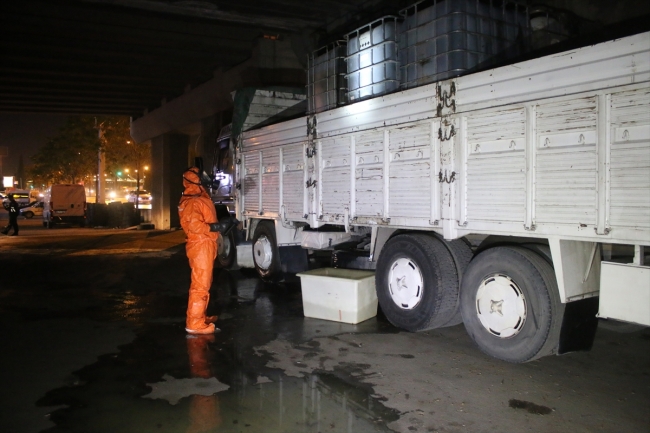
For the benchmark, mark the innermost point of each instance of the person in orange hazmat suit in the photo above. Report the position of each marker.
(199, 221)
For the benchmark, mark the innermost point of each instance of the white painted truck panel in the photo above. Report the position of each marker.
(293, 181)
(566, 168)
(368, 175)
(495, 166)
(335, 161)
(409, 186)
(270, 181)
(629, 161)
(250, 182)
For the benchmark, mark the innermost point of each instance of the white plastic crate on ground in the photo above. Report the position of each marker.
(340, 295)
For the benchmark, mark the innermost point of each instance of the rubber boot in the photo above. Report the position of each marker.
(195, 323)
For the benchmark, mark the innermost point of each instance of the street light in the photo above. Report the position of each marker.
(137, 191)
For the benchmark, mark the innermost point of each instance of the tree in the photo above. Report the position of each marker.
(120, 149)
(70, 156)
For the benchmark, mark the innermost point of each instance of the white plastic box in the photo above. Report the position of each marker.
(340, 295)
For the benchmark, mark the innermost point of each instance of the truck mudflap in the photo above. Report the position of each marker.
(579, 326)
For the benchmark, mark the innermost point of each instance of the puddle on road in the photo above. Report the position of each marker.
(237, 400)
(167, 382)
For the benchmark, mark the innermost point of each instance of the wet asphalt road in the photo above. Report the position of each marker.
(93, 340)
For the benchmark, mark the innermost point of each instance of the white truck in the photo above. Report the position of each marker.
(515, 200)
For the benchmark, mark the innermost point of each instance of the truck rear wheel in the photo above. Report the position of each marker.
(510, 304)
(416, 281)
(265, 252)
(226, 250)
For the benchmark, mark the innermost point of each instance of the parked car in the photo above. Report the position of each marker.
(143, 197)
(35, 210)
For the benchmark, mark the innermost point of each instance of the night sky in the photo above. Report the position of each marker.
(24, 134)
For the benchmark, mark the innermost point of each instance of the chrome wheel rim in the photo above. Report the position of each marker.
(501, 306)
(405, 283)
(263, 252)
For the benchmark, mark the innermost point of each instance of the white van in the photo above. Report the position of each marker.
(65, 203)
(20, 195)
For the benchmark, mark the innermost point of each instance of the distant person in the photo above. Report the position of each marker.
(13, 208)
(199, 221)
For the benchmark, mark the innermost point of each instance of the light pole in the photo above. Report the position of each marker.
(137, 192)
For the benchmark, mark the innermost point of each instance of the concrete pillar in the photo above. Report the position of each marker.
(169, 159)
(196, 147)
(209, 132)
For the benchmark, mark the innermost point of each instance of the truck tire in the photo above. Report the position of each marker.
(265, 252)
(416, 282)
(462, 255)
(510, 304)
(226, 250)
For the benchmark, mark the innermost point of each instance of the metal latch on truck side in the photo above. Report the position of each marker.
(312, 123)
(442, 136)
(446, 99)
(445, 179)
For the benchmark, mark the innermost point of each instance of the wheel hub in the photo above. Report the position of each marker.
(405, 283)
(263, 252)
(501, 306)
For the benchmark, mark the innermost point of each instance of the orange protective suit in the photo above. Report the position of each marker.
(197, 212)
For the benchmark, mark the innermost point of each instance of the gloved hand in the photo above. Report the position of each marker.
(224, 226)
